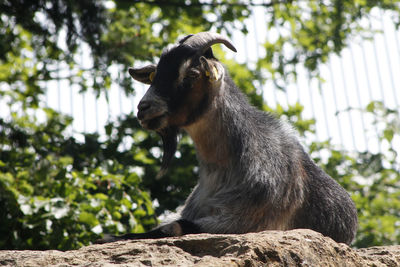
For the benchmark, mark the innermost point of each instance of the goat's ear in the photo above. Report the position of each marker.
(212, 69)
(143, 75)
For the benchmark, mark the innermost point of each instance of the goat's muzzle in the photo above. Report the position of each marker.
(142, 107)
(152, 114)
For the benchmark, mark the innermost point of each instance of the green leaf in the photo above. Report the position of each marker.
(388, 134)
(88, 218)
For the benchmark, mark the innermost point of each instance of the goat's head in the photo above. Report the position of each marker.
(181, 87)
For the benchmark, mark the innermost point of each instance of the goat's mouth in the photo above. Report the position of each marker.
(154, 123)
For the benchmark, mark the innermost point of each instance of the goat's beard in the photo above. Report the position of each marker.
(169, 137)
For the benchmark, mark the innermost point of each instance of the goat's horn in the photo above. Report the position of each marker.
(203, 40)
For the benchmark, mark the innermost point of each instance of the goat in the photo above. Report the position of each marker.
(254, 174)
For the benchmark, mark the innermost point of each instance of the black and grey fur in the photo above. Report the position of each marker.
(254, 173)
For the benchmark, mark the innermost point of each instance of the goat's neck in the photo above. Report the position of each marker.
(210, 139)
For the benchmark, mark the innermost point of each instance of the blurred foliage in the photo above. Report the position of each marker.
(60, 191)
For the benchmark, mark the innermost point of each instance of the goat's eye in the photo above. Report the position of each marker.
(193, 73)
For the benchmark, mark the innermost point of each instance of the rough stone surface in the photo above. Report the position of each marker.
(271, 248)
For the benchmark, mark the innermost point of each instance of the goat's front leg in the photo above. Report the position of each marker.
(176, 228)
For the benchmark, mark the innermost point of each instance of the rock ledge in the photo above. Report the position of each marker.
(270, 248)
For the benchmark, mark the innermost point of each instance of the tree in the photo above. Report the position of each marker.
(61, 193)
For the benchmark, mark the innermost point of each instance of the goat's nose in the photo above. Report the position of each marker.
(142, 108)
(143, 105)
